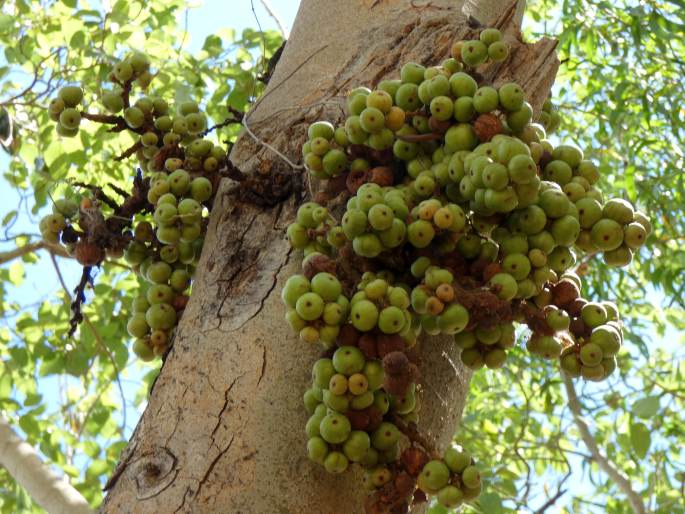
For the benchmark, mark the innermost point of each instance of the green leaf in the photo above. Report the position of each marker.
(77, 363)
(19, 356)
(72, 471)
(10, 216)
(52, 366)
(91, 448)
(491, 503)
(97, 468)
(16, 273)
(6, 22)
(32, 399)
(646, 407)
(29, 425)
(78, 40)
(640, 438)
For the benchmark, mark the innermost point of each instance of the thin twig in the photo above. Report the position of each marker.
(99, 340)
(281, 26)
(236, 117)
(560, 492)
(270, 147)
(261, 99)
(129, 151)
(185, 36)
(98, 193)
(621, 481)
(36, 75)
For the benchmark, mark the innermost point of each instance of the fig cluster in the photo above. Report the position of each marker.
(445, 209)
(452, 479)
(351, 413)
(162, 236)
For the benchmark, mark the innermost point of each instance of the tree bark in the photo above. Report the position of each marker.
(51, 492)
(224, 428)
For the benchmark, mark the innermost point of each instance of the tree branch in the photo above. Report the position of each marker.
(621, 482)
(20, 251)
(48, 490)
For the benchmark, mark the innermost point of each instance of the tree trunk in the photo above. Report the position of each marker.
(224, 428)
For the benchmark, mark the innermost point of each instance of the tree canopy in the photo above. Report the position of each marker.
(620, 96)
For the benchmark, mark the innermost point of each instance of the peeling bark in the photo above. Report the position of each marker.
(224, 428)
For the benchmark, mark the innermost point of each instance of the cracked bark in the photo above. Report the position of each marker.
(227, 405)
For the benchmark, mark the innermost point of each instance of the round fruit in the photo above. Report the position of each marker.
(71, 95)
(474, 53)
(457, 460)
(161, 316)
(434, 476)
(335, 428)
(309, 306)
(348, 360)
(385, 436)
(591, 354)
(607, 234)
(471, 477)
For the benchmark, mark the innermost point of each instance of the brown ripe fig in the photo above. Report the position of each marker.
(356, 179)
(395, 363)
(367, 344)
(578, 328)
(397, 384)
(359, 419)
(180, 302)
(375, 417)
(404, 485)
(348, 336)
(381, 175)
(357, 151)
(382, 156)
(386, 344)
(487, 126)
(437, 126)
(574, 307)
(491, 270)
(564, 292)
(335, 185)
(545, 159)
(322, 198)
(419, 497)
(88, 254)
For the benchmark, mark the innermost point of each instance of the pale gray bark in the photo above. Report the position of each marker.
(224, 429)
(51, 492)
